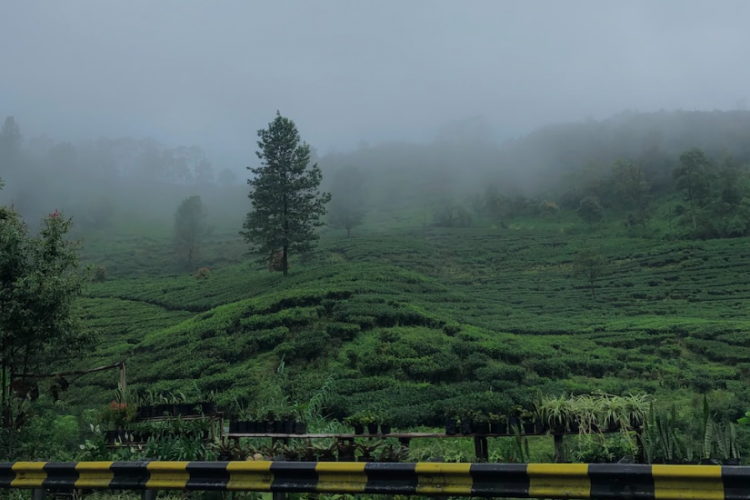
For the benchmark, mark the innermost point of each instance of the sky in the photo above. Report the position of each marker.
(212, 73)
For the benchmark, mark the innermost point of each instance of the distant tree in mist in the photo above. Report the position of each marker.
(451, 214)
(590, 210)
(191, 229)
(692, 177)
(227, 178)
(204, 172)
(590, 265)
(549, 209)
(347, 198)
(632, 190)
(10, 141)
(287, 204)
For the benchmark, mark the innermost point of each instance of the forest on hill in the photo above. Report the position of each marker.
(455, 278)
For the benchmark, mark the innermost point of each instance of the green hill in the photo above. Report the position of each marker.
(425, 321)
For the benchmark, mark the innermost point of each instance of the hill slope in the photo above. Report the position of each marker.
(425, 321)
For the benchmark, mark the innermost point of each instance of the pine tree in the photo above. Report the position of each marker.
(286, 202)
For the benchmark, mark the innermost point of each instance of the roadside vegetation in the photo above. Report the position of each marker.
(419, 300)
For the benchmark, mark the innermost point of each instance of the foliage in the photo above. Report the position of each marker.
(286, 203)
(191, 228)
(203, 273)
(591, 265)
(590, 210)
(348, 198)
(39, 319)
(692, 177)
(633, 190)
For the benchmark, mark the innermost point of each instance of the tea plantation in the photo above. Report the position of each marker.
(420, 322)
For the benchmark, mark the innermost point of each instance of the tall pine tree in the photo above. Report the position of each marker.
(286, 203)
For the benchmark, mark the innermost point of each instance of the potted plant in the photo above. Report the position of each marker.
(451, 425)
(613, 414)
(466, 424)
(498, 424)
(385, 428)
(481, 423)
(555, 413)
(367, 449)
(514, 420)
(356, 423)
(208, 403)
(583, 415)
(529, 422)
(346, 450)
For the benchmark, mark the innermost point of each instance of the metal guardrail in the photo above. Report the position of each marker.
(600, 481)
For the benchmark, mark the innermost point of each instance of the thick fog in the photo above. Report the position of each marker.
(212, 73)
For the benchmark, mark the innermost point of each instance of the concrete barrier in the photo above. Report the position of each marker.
(599, 481)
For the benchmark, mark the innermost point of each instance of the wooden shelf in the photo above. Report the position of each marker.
(397, 435)
(167, 418)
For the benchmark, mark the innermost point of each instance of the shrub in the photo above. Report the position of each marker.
(99, 274)
(343, 331)
(203, 273)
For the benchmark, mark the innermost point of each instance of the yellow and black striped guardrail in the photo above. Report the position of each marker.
(600, 481)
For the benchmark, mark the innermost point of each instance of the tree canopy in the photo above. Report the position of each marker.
(348, 193)
(39, 284)
(191, 228)
(287, 204)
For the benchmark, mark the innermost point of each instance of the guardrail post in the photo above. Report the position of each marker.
(147, 495)
(559, 450)
(38, 494)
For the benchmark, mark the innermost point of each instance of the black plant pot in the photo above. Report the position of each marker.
(190, 409)
(575, 426)
(731, 461)
(347, 457)
(224, 458)
(482, 428)
(176, 410)
(557, 428)
(466, 427)
(539, 427)
(209, 408)
(385, 428)
(270, 427)
(359, 428)
(162, 410)
(300, 428)
(241, 427)
(529, 427)
(498, 428)
(612, 425)
(288, 426)
(110, 436)
(514, 423)
(709, 461)
(450, 426)
(251, 427)
(372, 428)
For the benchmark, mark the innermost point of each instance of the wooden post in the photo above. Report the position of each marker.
(480, 448)
(559, 451)
(123, 381)
(641, 458)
